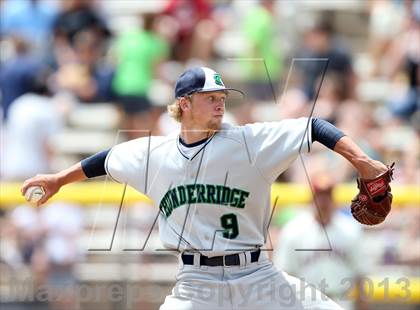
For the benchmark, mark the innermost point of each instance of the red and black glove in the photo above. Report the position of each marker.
(373, 202)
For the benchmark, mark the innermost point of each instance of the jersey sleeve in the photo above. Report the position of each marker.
(126, 162)
(275, 145)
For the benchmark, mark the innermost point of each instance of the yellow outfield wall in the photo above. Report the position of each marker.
(91, 193)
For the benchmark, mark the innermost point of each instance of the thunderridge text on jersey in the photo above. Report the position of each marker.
(202, 193)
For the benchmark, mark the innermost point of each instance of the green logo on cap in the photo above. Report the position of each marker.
(218, 79)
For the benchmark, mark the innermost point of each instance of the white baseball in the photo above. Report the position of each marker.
(34, 194)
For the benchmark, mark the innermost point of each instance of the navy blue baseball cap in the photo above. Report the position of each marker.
(199, 79)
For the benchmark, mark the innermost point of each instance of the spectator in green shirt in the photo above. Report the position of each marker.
(260, 31)
(138, 52)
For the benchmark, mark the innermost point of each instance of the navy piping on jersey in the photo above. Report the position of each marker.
(106, 166)
(179, 149)
(192, 144)
(205, 141)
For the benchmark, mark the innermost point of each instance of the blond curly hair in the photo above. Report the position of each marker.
(175, 111)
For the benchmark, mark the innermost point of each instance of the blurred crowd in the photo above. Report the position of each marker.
(58, 55)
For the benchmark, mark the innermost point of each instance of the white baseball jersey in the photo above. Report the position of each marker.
(213, 197)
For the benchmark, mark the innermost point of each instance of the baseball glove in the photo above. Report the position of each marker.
(373, 202)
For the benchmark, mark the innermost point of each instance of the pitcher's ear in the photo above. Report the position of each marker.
(184, 103)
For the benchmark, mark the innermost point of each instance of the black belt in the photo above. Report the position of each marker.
(227, 260)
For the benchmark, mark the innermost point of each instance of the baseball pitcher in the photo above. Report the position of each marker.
(211, 182)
